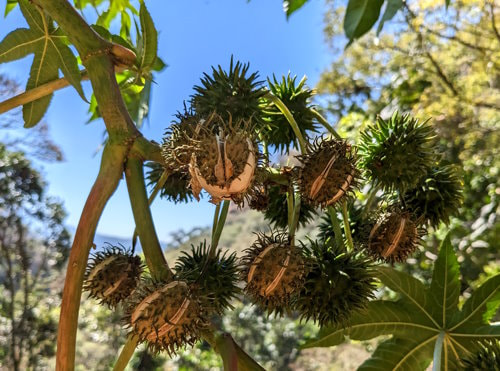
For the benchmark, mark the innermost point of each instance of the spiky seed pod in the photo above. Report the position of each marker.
(338, 283)
(393, 237)
(328, 172)
(112, 275)
(437, 196)
(165, 315)
(224, 163)
(219, 282)
(396, 153)
(297, 98)
(259, 199)
(230, 94)
(273, 271)
(178, 145)
(486, 359)
(175, 189)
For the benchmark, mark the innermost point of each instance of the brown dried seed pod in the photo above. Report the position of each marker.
(394, 236)
(328, 172)
(273, 271)
(112, 275)
(165, 315)
(224, 163)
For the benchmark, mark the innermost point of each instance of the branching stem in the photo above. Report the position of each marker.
(336, 226)
(347, 227)
(325, 123)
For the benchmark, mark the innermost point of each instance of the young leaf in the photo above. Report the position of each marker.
(416, 320)
(149, 40)
(391, 9)
(445, 284)
(290, 6)
(51, 54)
(360, 16)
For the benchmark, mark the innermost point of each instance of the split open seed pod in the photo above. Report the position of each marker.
(224, 164)
(273, 271)
(328, 172)
(112, 275)
(394, 236)
(167, 316)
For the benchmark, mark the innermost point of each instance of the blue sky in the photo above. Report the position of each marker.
(193, 35)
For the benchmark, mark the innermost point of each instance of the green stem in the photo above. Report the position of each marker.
(288, 115)
(220, 225)
(126, 354)
(372, 195)
(152, 196)
(438, 347)
(347, 227)
(216, 219)
(336, 226)
(325, 123)
(155, 259)
(289, 203)
(295, 218)
(109, 176)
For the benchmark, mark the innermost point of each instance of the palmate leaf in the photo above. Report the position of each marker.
(51, 55)
(360, 16)
(421, 316)
(148, 41)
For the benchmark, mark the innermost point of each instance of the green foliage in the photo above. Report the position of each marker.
(297, 98)
(52, 54)
(417, 318)
(397, 152)
(360, 16)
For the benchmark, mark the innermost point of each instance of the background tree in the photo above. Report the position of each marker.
(34, 247)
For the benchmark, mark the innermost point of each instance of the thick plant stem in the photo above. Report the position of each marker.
(325, 124)
(438, 348)
(288, 115)
(216, 219)
(109, 176)
(224, 344)
(347, 227)
(152, 196)
(126, 353)
(337, 231)
(153, 253)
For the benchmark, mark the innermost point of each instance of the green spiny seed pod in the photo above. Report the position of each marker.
(297, 98)
(393, 237)
(328, 173)
(273, 271)
(214, 276)
(437, 196)
(165, 315)
(487, 358)
(396, 153)
(225, 162)
(338, 282)
(112, 275)
(230, 94)
(176, 187)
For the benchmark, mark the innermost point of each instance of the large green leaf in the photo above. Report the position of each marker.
(360, 16)
(149, 40)
(51, 55)
(445, 284)
(422, 316)
(379, 318)
(481, 306)
(411, 355)
(391, 9)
